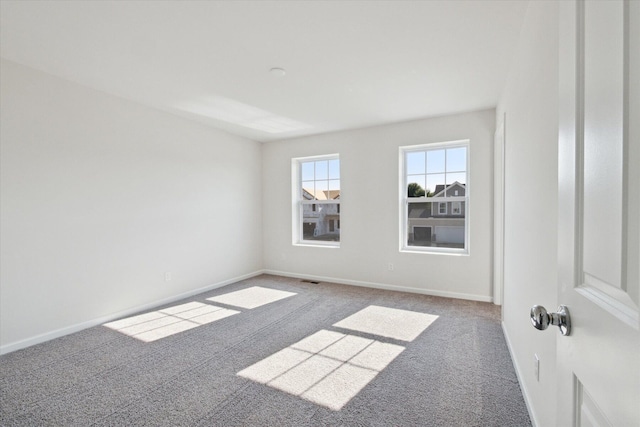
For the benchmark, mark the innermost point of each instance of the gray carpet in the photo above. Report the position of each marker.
(456, 372)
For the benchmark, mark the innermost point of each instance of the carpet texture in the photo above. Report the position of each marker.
(307, 355)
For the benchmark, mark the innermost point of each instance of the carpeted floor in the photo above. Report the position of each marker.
(283, 352)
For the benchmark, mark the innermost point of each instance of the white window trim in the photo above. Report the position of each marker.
(298, 202)
(404, 200)
(440, 210)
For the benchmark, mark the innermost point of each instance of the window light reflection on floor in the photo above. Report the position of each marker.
(327, 368)
(253, 297)
(403, 325)
(168, 321)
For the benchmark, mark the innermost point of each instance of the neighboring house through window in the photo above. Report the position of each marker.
(435, 197)
(316, 195)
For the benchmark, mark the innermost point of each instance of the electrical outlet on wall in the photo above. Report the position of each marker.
(390, 266)
(536, 367)
(167, 277)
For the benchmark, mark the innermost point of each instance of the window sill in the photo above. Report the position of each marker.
(435, 251)
(318, 245)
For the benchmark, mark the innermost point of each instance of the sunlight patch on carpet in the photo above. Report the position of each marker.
(403, 325)
(326, 368)
(168, 321)
(253, 297)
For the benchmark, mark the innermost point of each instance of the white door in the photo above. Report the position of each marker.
(599, 191)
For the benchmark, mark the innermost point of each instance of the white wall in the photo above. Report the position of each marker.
(101, 196)
(530, 100)
(370, 211)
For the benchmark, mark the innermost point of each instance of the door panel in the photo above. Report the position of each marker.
(589, 414)
(599, 363)
(603, 103)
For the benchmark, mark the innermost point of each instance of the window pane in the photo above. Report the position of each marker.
(334, 169)
(322, 190)
(422, 230)
(308, 190)
(307, 171)
(460, 177)
(322, 224)
(456, 159)
(334, 190)
(322, 170)
(415, 187)
(435, 184)
(435, 161)
(415, 163)
(420, 210)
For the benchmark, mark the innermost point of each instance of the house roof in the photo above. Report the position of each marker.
(320, 194)
(439, 192)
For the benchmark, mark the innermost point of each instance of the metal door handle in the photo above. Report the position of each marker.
(541, 320)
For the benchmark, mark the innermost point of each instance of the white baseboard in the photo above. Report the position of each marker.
(527, 400)
(47, 336)
(385, 286)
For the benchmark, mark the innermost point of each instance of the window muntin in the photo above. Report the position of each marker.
(434, 197)
(317, 201)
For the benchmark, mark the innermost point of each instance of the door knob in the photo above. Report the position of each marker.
(541, 320)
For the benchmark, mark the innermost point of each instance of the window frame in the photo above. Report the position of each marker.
(405, 200)
(298, 202)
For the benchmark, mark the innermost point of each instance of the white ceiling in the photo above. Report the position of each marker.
(349, 64)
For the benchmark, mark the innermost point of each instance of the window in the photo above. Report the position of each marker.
(435, 197)
(316, 196)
